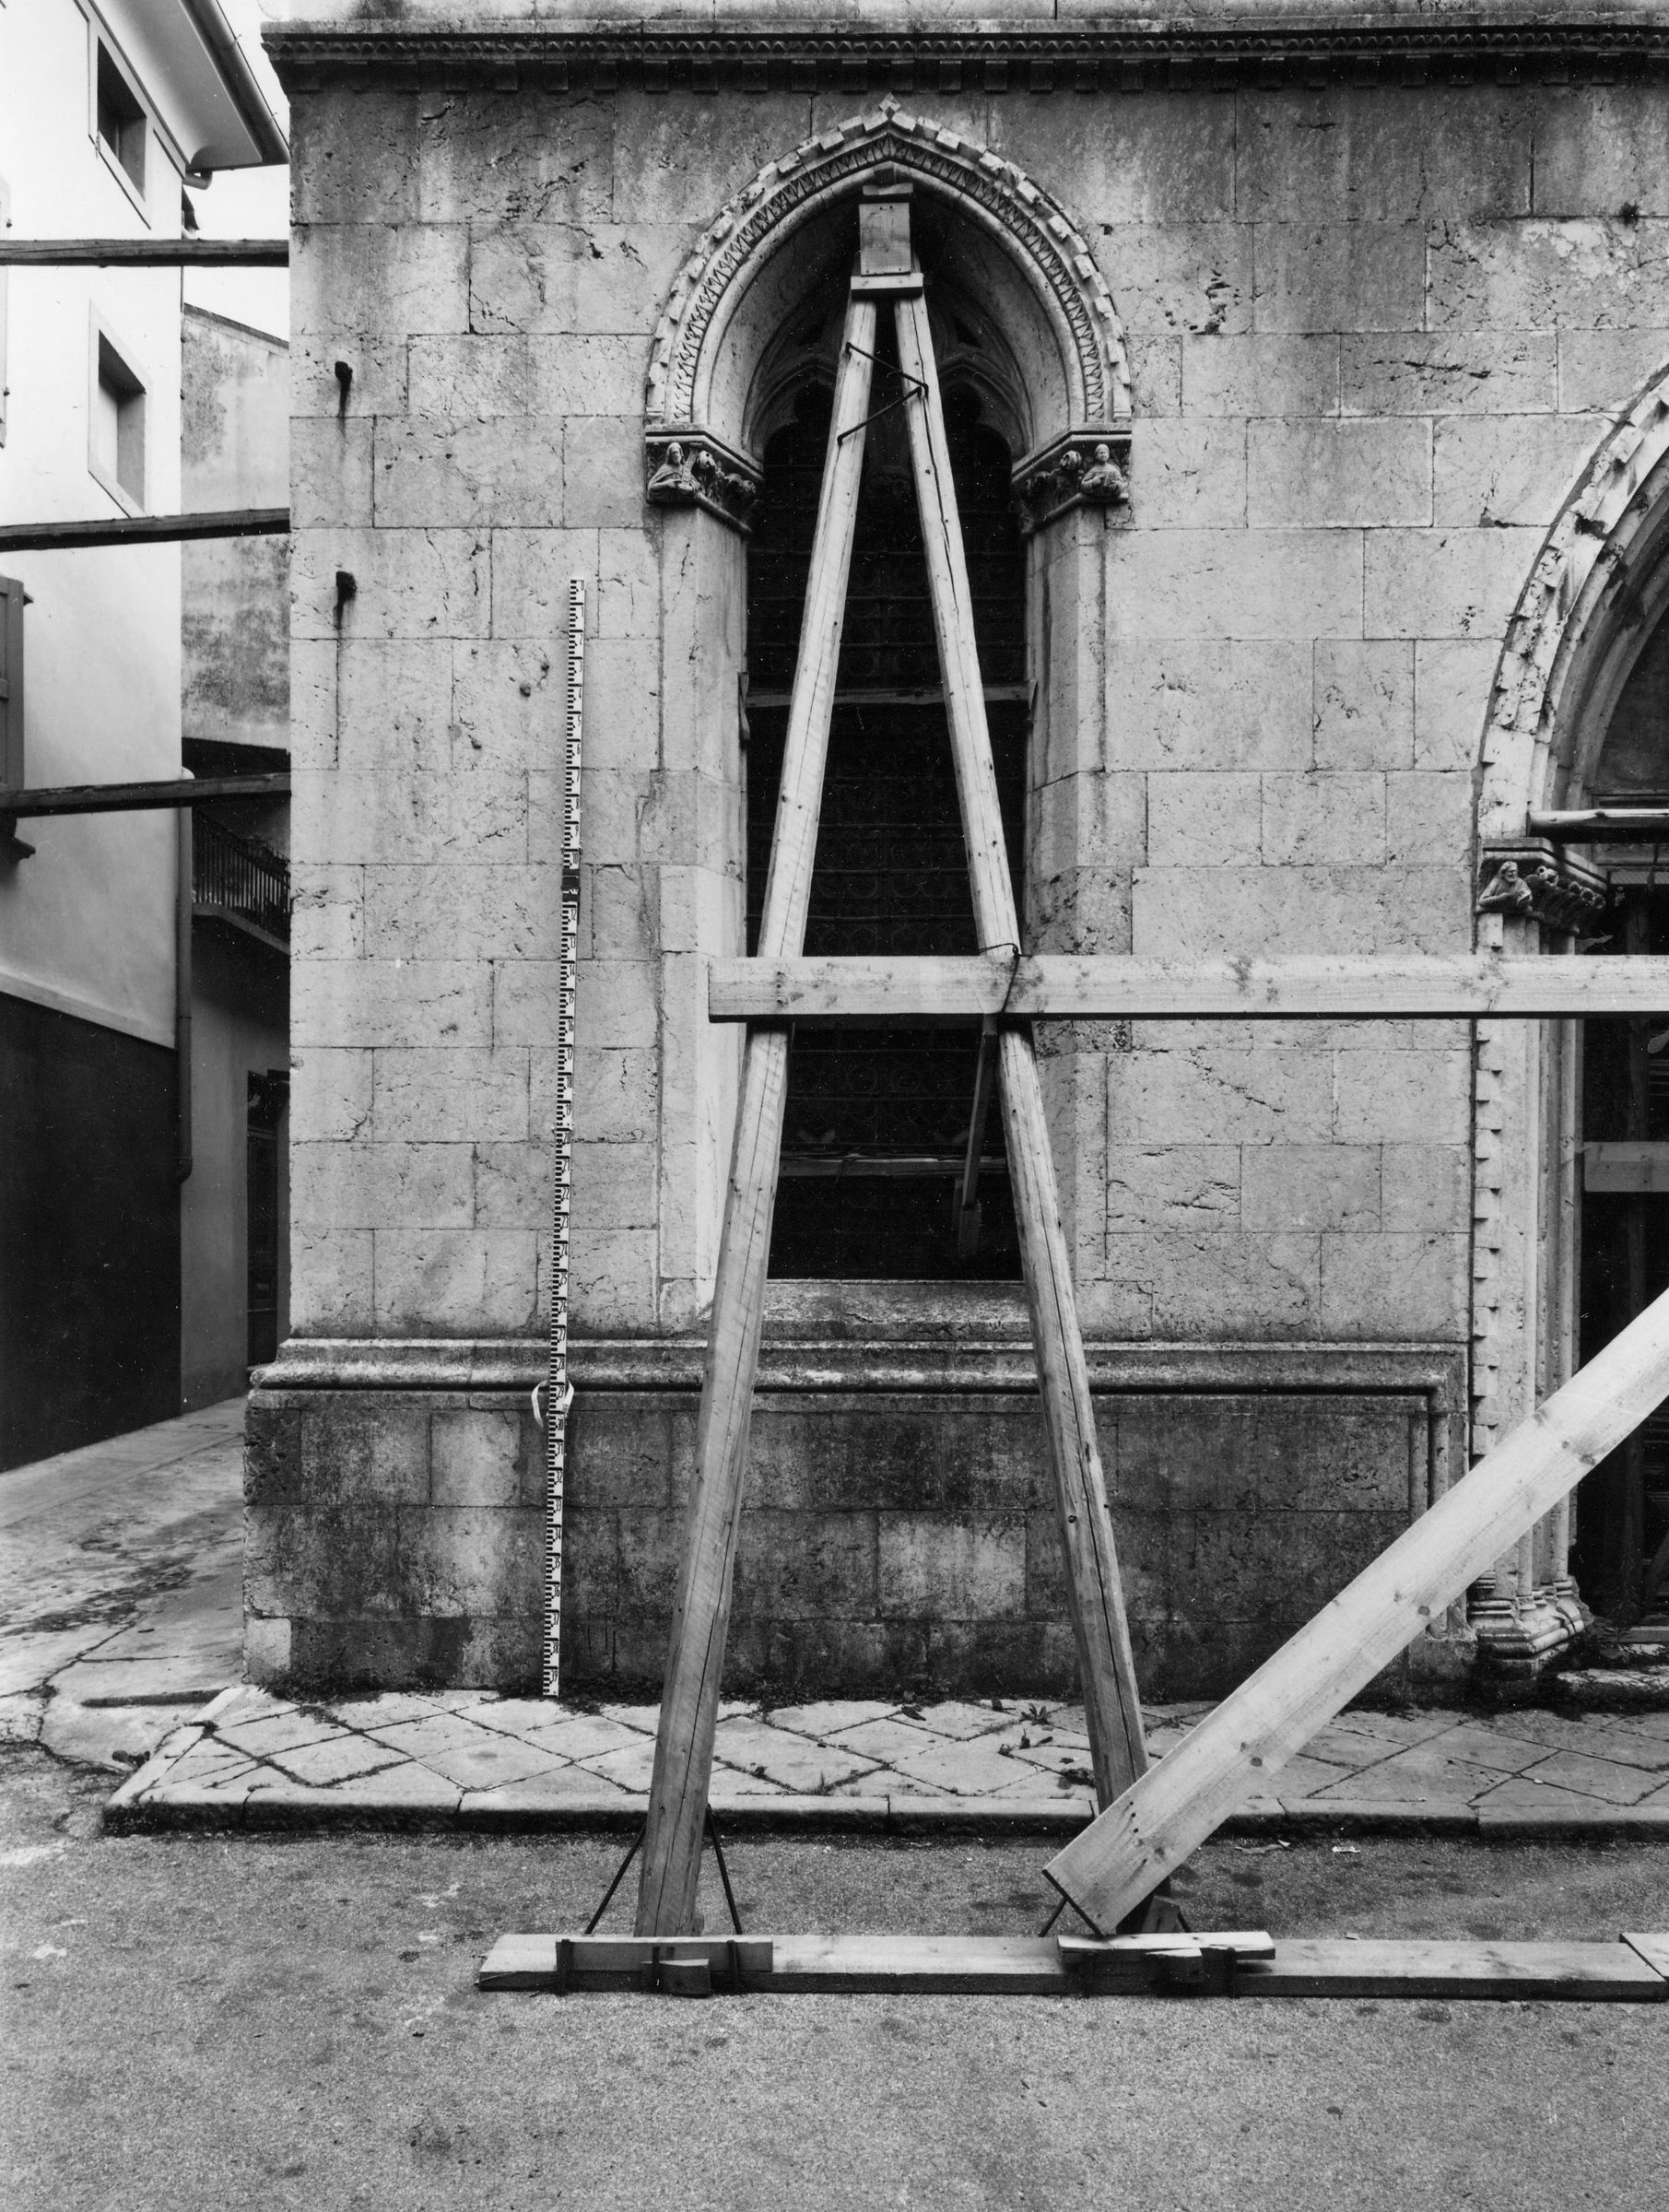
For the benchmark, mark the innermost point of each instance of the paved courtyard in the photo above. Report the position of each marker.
(120, 1649)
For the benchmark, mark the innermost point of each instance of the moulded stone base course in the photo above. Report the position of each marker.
(891, 1539)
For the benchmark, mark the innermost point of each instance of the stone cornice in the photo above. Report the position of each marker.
(1126, 52)
(993, 1360)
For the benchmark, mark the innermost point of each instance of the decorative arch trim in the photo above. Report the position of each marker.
(690, 462)
(1585, 584)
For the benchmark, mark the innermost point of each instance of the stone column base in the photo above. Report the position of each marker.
(1520, 1642)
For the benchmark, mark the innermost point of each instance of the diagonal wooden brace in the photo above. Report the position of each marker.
(1120, 1858)
(1095, 1594)
(690, 1698)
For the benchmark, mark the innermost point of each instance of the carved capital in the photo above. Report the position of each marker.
(693, 469)
(1534, 880)
(1086, 468)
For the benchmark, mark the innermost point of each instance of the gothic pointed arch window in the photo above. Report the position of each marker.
(879, 1118)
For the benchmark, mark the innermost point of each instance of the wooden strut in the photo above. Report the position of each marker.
(1114, 986)
(684, 1742)
(1165, 1816)
(144, 530)
(145, 252)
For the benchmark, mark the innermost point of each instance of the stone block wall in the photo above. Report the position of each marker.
(1374, 330)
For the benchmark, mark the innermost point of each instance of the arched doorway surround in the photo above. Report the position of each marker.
(1598, 592)
(1028, 323)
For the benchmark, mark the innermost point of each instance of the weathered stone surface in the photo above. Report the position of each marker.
(395, 276)
(1251, 584)
(1488, 474)
(1262, 374)
(1364, 704)
(1347, 155)
(1446, 583)
(377, 1186)
(1194, 704)
(1600, 370)
(1302, 472)
(484, 1280)
(1181, 276)
(1190, 475)
(468, 474)
(1589, 273)
(1311, 1186)
(1458, 372)
(1322, 276)
(449, 1097)
(407, 583)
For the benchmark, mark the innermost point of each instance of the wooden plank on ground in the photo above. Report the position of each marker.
(1095, 1594)
(1120, 1859)
(689, 1699)
(1107, 986)
(1330, 1967)
(946, 1965)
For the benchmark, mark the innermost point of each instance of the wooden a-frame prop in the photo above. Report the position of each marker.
(1162, 1815)
(684, 1744)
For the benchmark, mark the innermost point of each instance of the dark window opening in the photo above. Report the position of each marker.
(877, 1119)
(121, 121)
(1621, 1552)
(269, 1096)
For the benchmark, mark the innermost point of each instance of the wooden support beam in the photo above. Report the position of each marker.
(145, 252)
(1601, 825)
(139, 798)
(689, 1699)
(1245, 1963)
(1123, 1854)
(1095, 1594)
(1106, 987)
(143, 530)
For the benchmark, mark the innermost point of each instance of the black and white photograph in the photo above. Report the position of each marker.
(834, 1105)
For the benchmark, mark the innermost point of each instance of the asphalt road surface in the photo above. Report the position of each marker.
(220, 2022)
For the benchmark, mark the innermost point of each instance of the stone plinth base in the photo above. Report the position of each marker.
(899, 1530)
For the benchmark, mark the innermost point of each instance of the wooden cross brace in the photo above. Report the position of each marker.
(1151, 1821)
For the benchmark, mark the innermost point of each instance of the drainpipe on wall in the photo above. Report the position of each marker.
(182, 990)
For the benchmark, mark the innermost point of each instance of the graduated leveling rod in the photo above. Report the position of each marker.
(558, 1391)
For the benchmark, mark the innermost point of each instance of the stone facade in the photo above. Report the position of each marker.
(1379, 298)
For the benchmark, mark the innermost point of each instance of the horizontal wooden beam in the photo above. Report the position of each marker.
(143, 530)
(1246, 1963)
(1601, 825)
(145, 252)
(139, 798)
(1104, 987)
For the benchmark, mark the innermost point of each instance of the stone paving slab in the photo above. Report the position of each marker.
(471, 1759)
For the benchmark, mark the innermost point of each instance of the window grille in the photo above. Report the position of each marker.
(877, 1119)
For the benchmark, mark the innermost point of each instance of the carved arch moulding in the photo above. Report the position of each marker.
(1076, 452)
(1592, 598)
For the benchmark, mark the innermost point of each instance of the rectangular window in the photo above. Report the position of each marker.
(116, 438)
(120, 120)
(13, 600)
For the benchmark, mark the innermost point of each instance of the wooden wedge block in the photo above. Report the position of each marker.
(591, 1963)
(1120, 1859)
(1653, 1949)
(1580, 1972)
